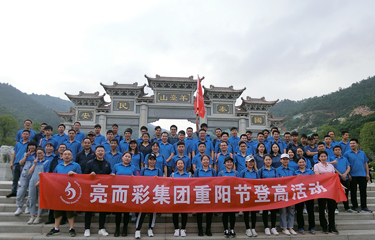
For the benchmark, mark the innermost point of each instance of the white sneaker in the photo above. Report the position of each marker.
(27, 210)
(292, 232)
(274, 231)
(103, 232)
(37, 220)
(304, 211)
(267, 231)
(18, 211)
(86, 233)
(240, 213)
(254, 232)
(337, 211)
(286, 232)
(150, 233)
(248, 233)
(176, 233)
(260, 212)
(31, 220)
(183, 233)
(137, 234)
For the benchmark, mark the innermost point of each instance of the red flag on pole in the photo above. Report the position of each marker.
(199, 101)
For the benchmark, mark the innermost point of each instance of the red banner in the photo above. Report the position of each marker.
(105, 193)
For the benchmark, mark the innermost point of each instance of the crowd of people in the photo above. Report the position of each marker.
(189, 154)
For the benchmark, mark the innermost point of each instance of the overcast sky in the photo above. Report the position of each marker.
(276, 49)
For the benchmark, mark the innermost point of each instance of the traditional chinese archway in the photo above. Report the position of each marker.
(173, 98)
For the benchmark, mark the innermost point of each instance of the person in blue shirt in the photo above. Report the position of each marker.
(142, 130)
(123, 168)
(236, 149)
(260, 138)
(259, 155)
(18, 154)
(275, 153)
(204, 171)
(228, 172)
(300, 153)
(331, 134)
(107, 143)
(166, 149)
(286, 141)
(160, 160)
(294, 143)
(115, 132)
(267, 171)
(49, 148)
(250, 143)
(99, 138)
(79, 135)
(71, 168)
(157, 137)
(320, 147)
(113, 156)
(60, 137)
(302, 170)
(137, 156)
(220, 157)
(26, 162)
(203, 126)
(124, 143)
(329, 146)
(180, 155)
(267, 142)
(196, 162)
(234, 139)
(287, 213)
(202, 138)
(180, 173)
(72, 144)
(188, 144)
(310, 150)
(174, 137)
(358, 175)
(292, 159)
(27, 124)
(145, 146)
(250, 173)
(239, 158)
(344, 143)
(40, 164)
(276, 139)
(342, 167)
(224, 138)
(149, 170)
(48, 137)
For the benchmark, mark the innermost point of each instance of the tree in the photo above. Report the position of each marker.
(36, 126)
(8, 129)
(368, 139)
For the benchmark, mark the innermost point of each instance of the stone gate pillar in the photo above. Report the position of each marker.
(103, 123)
(242, 125)
(142, 116)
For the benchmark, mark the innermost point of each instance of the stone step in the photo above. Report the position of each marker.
(344, 235)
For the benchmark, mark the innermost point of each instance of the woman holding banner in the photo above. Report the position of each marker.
(228, 172)
(323, 167)
(267, 171)
(149, 170)
(309, 204)
(250, 173)
(180, 173)
(205, 171)
(123, 168)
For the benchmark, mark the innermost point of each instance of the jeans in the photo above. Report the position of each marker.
(287, 217)
(24, 185)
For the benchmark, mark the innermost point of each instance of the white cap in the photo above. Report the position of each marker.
(284, 155)
(249, 158)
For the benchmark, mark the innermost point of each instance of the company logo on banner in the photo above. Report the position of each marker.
(72, 193)
(83, 192)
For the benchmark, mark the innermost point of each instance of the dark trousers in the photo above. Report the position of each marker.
(208, 220)
(231, 216)
(141, 218)
(183, 220)
(273, 218)
(346, 184)
(16, 172)
(362, 182)
(169, 171)
(88, 216)
(118, 220)
(253, 219)
(310, 214)
(330, 204)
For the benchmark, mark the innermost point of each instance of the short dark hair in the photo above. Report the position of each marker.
(164, 133)
(25, 130)
(180, 143)
(303, 135)
(114, 125)
(99, 146)
(144, 128)
(344, 132)
(110, 131)
(50, 144)
(248, 131)
(286, 133)
(322, 152)
(27, 120)
(337, 146)
(78, 123)
(113, 140)
(181, 132)
(201, 143)
(233, 128)
(326, 136)
(173, 126)
(61, 124)
(266, 130)
(200, 130)
(72, 130)
(260, 133)
(189, 128)
(354, 139)
(218, 129)
(157, 127)
(276, 131)
(294, 133)
(129, 130)
(98, 126)
(321, 143)
(204, 125)
(224, 133)
(48, 127)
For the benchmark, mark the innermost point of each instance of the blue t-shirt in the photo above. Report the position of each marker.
(284, 172)
(51, 140)
(209, 147)
(80, 136)
(200, 172)
(19, 135)
(258, 160)
(124, 145)
(99, 139)
(342, 164)
(187, 148)
(72, 166)
(219, 160)
(160, 162)
(234, 141)
(20, 150)
(191, 143)
(166, 149)
(186, 159)
(306, 172)
(265, 173)
(121, 169)
(113, 159)
(357, 163)
(280, 144)
(176, 174)
(136, 161)
(276, 160)
(246, 173)
(218, 149)
(344, 147)
(60, 138)
(74, 147)
(107, 146)
(239, 159)
(226, 173)
(293, 165)
(197, 160)
(151, 172)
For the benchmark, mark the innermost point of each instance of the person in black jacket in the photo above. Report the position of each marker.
(97, 166)
(87, 154)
